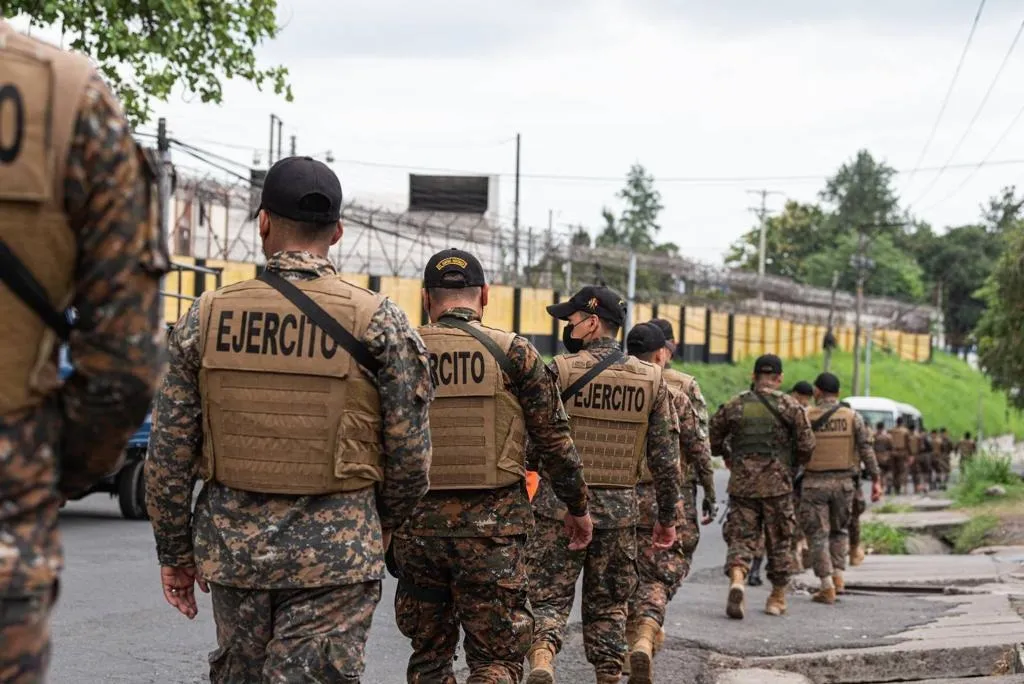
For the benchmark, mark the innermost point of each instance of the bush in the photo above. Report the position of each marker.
(982, 472)
(882, 538)
(973, 535)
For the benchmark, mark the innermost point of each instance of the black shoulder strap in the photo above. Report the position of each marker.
(823, 418)
(585, 379)
(25, 286)
(324, 320)
(774, 411)
(483, 338)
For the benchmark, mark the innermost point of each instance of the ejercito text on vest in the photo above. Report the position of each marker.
(834, 441)
(286, 410)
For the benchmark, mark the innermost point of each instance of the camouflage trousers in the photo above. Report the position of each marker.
(899, 472)
(610, 577)
(486, 578)
(291, 636)
(747, 520)
(663, 570)
(825, 509)
(859, 506)
(25, 637)
(942, 464)
(923, 468)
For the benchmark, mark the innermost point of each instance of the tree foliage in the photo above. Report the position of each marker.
(146, 48)
(1001, 328)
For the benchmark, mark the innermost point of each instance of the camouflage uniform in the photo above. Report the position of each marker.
(966, 447)
(305, 567)
(761, 488)
(472, 543)
(924, 462)
(662, 570)
(827, 503)
(609, 564)
(77, 434)
(882, 444)
(899, 459)
(943, 459)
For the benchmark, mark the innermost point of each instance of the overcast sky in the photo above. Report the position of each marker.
(698, 89)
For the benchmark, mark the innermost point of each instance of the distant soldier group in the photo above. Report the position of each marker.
(926, 458)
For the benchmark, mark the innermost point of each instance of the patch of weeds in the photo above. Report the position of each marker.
(883, 539)
(982, 472)
(975, 533)
(893, 508)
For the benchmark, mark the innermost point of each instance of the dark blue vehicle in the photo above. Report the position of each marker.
(127, 484)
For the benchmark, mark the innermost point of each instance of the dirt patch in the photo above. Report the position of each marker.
(1010, 531)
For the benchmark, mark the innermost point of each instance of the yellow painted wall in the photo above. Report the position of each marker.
(771, 335)
(671, 314)
(755, 335)
(533, 316)
(406, 293)
(642, 313)
(924, 347)
(178, 282)
(719, 333)
(739, 342)
(695, 325)
(500, 307)
(786, 340)
(358, 279)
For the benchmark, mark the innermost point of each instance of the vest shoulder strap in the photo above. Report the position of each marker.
(25, 287)
(823, 418)
(315, 313)
(585, 379)
(483, 338)
(773, 410)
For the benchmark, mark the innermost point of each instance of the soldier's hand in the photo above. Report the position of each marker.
(710, 509)
(664, 537)
(179, 588)
(876, 490)
(580, 531)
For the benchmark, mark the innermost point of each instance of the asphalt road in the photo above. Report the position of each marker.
(112, 624)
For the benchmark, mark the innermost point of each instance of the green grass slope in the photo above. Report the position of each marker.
(946, 390)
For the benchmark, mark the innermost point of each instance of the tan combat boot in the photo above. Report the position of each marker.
(542, 667)
(630, 640)
(776, 603)
(827, 593)
(737, 595)
(837, 579)
(857, 555)
(659, 640)
(641, 655)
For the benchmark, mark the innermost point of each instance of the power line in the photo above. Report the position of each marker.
(977, 113)
(949, 91)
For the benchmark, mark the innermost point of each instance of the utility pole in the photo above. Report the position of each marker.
(862, 263)
(830, 339)
(940, 342)
(867, 361)
(515, 218)
(293, 145)
(630, 296)
(163, 146)
(762, 216)
(270, 146)
(280, 125)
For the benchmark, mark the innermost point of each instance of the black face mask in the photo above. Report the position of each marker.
(572, 344)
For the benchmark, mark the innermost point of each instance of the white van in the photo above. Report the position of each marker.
(875, 410)
(911, 416)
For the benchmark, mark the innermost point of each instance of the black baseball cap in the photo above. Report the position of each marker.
(769, 364)
(302, 189)
(804, 388)
(827, 383)
(453, 269)
(666, 330)
(603, 302)
(644, 338)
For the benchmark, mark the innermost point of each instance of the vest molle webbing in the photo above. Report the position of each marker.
(609, 416)
(677, 383)
(286, 410)
(48, 84)
(834, 448)
(756, 435)
(900, 440)
(476, 425)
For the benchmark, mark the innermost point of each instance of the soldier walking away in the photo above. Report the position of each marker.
(301, 402)
(943, 460)
(663, 570)
(77, 230)
(924, 464)
(768, 431)
(620, 411)
(803, 392)
(882, 445)
(900, 439)
(843, 444)
(967, 447)
(460, 558)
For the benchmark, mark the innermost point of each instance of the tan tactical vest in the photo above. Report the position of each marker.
(286, 410)
(677, 383)
(609, 416)
(834, 441)
(900, 441)
(41, 88)
(476, 424)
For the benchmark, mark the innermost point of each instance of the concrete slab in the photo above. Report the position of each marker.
(1005, 679)
(918, 502)
(1009, 552)
(932, 522)
(924, 572)
(759, 676)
